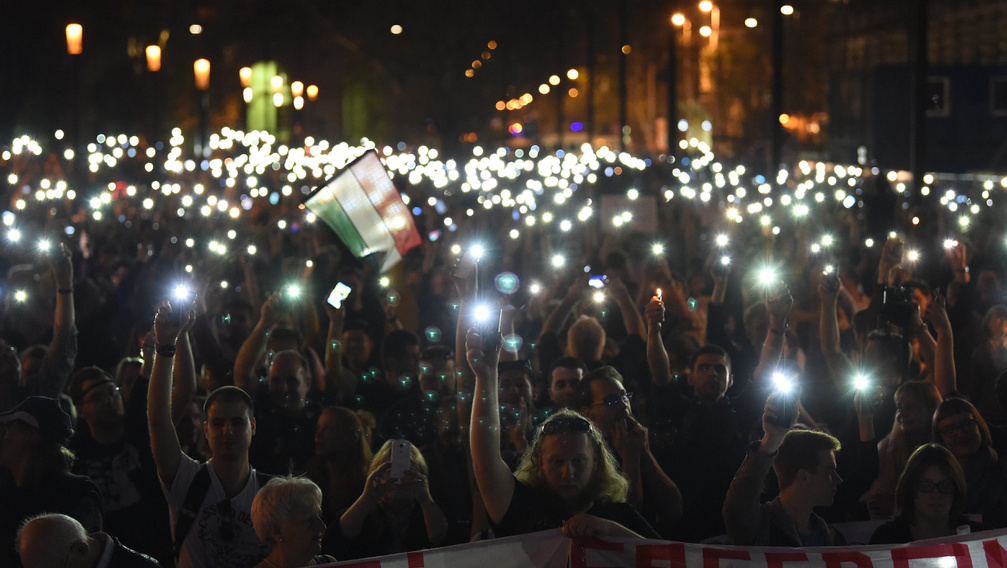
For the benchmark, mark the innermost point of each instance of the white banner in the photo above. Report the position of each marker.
(550, 549)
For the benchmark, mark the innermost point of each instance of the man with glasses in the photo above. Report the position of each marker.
(112, 443)
(604, 400)
(210, 503)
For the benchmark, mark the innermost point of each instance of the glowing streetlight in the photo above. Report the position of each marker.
(245, 76)
(201, 70)
(74, 39)
(153, 58)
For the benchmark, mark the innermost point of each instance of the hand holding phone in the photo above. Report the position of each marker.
(401, 458)
(338, 295)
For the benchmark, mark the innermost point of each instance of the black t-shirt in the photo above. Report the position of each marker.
(283, 443)
(535, 509)
(135, 510)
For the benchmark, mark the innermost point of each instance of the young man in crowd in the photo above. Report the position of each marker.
(210, 503)
(805, 465)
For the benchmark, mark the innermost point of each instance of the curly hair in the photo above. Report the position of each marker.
(608, 483)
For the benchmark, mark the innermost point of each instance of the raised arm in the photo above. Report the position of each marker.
(255, 345)
(828, 325)
(554, 322)
(944, 359)
(59, 358)
(630, 313)
(183, 377)
(744, 518)
(657, 355)
(338, 380)
(772, 347)
(163, 438)
(496, 484)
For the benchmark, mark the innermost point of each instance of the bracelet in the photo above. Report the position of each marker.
(166, 350)
(64, 290)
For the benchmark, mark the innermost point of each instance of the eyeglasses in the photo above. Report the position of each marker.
(226, 520)
(565, 423)
(946, 487)
(613, 400)
(965, 426)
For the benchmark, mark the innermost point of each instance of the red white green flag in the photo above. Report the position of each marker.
(365, 210)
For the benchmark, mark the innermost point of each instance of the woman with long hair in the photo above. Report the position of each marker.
(390, 515)
(960, 428)
(567, 477)
(929, 499)
(342, 458)
(915, 403)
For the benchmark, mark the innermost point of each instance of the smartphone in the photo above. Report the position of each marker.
(489, 330)
(598, 281)
(401, 458)
(182, 300)
(338, 294)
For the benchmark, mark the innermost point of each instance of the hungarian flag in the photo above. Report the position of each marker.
(363, 207)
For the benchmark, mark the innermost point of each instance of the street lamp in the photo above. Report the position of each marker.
(297, 92)
(201, 70)
(153, 58)
(153, 53)
(74, 39)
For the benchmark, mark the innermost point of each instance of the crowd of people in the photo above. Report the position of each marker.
(251, 422)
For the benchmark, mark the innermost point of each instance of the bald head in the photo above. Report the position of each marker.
(47, 540)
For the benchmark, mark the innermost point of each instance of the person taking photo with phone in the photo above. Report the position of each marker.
(395, 513)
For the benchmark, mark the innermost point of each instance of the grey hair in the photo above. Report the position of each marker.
(44, 540)
(279, 500)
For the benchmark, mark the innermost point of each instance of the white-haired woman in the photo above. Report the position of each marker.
(287, 515)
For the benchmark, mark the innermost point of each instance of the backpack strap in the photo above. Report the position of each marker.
(190, 508)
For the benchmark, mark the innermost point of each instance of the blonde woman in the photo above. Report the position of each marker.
(391, 515)
(567, 477)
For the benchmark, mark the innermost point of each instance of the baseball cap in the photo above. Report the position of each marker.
(45, 415)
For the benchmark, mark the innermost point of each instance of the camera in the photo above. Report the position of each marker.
(897, 306)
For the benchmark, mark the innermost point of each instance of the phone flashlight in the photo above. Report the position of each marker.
(861, 382)
(658, 295)
(477, 252)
